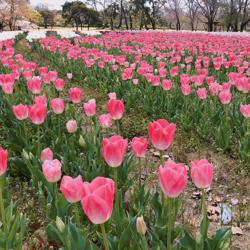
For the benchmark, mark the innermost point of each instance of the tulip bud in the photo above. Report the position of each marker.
(82, 142)
(31, 156)
(25, 155)
(60, 224)
(141, 225)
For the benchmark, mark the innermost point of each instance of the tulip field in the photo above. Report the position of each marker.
(125, 141)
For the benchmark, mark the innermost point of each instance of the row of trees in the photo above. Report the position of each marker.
(231, 15)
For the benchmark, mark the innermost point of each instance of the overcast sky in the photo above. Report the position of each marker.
(52, 4)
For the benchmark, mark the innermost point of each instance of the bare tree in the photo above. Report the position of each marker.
(236, 14)
(176, 8)
(122, 15)
(11, 11)
(245, 10)
(209, 10)
(192, 11)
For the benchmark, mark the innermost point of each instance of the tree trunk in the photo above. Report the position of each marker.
(243, 25)
(130, 22)
(125, 18)
(178, 24)
(121, 14)
(141, 22)
(111, 23)
(210, 25)
(192, 25)
(153, 24)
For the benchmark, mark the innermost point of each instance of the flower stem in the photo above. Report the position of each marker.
(116, 191)
(204, 205)
(77, 216)
(204, 216)
(2, 204)
(59, 127)
(117, 123)
(162, 162)
(38, 141)
(161, 157)
(169, 235)
(139, 160)
(105, 239)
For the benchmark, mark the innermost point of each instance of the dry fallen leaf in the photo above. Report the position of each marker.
(237, 231)
(213, 217)
(213, 210)
(217, 198)
(196, 195)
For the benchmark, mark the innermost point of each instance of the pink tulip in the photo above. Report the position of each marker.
(214, 88)
(202, 93)
(34, 85)
(173, 178)
(245, 110)
(139, 146)
(90, 107)
(52, 170)
(69, 76)
(161, 133)
(72, 189)
(141, 226)
(57, 105)
(186, 89)
(42, 70)
(114, 149)
(174, 71)
(135, 81)
(3, 160)
(98, 198)
(112, 95)
(52, 75)
(20, 111)
(201, 173)
(71, 126)
(162, 72)
(42, 100)
(27, 75)
(59, 84)
(167, 84)
(46, 154)
(115, 108)
(105, 120)
(225, 97)
(8, 88)
(37, 113)
(75, 95)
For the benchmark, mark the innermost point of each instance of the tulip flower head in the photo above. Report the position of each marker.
(52, 170)
(46, 154)
(71, 126)
(72, 188)
(20, 111)
(105, 120)
(161, 133)
(115, 108)
(113, 150)
(3, 160)
(98, 198)
(139, 146)
(90, 108)
(201, 173)
(173, 178)
(245, 110)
